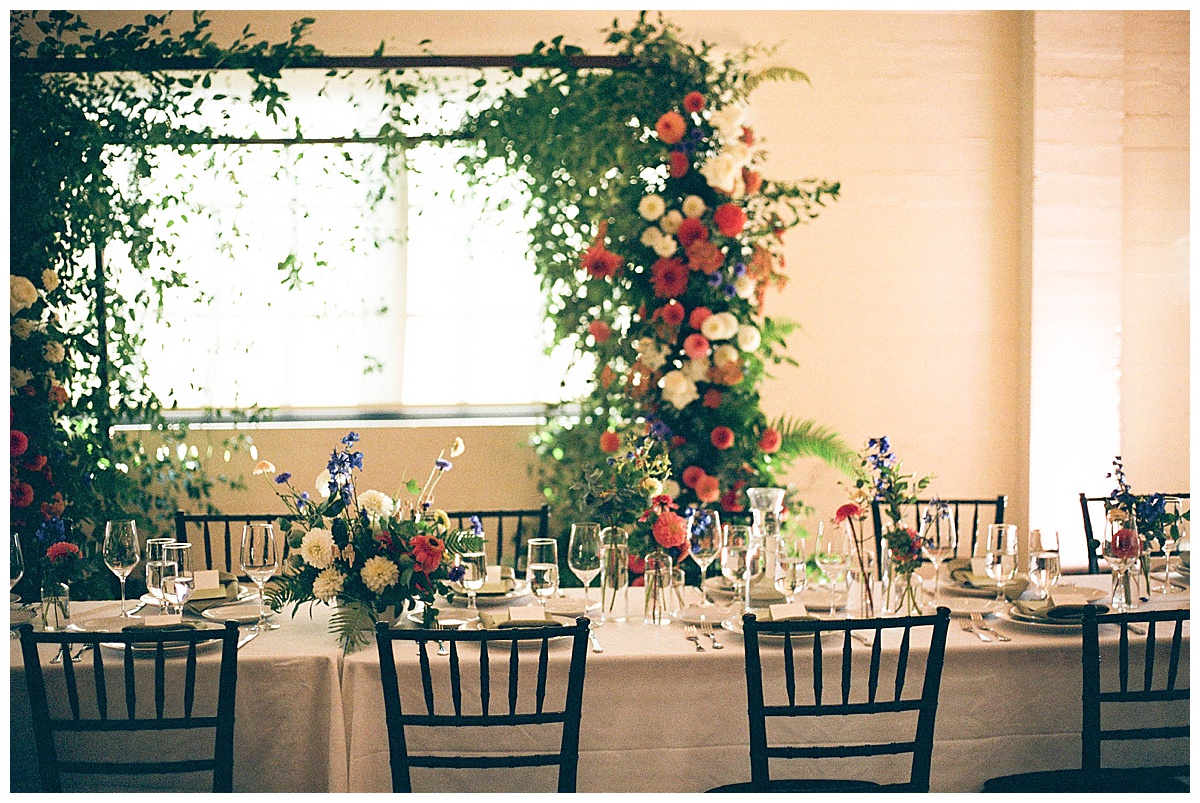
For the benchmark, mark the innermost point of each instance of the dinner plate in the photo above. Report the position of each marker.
(244, 593)
(244, 613)
(964, 606)
(450, 618)
(1012, 614)
(720, 590)
(19, 616)
(110, 624)
(571, 606)
(695, 614)
(734, 625)
(476, 624)
(1071, 594)
(520, 589)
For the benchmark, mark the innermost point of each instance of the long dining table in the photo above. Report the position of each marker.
(658, 715)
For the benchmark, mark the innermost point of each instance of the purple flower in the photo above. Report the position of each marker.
(302, 502)
(356, 460)
(282, 478)
(456, 573)
(350, 438)
(659, 430)
(476, 525)
(443, 464)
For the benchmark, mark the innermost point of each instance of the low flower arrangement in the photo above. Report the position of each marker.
(1154, 522)
(364, 550)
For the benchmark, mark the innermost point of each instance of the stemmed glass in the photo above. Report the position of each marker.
(1000, 554)
(16, 563)
(792, 575)
(121, 553)
(1173, 505)
(260, 561)
(705, 529)
(541, 570)
(154, 569)
(583, 555)
(178, 580)
(939, 539)
(833, 557)
(741, 559)
(1045, 568)
(474, 566)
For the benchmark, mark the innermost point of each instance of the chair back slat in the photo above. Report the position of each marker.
(84, 719)
(426, 678)
(229, 545)
(1148, 675)
(205, 528)
(545, 714)
(208, 556)
(522, 523)
(1123, 657)
(851, 702)
(160, 680)
(1176, 649)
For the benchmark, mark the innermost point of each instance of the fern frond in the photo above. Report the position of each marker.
(773, 74)
(461, 542)
(352, 622)
(810, 439)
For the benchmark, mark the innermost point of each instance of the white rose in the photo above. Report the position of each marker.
(49, 280)
(23, 328)
(378, 505)
(651, 353)
(322, 483)
(666, 247)
(725, 354)
(328, 584)
(54, 351)
(678, 390)
(21, 294)
(745, 287)
(651, 207)
(749, 338)
(720, 326)
(728, 122)
(739, 153)
(651, 235)
(721, 173)
(378, 573)
(696, 370)
(670, 221)
(317, 548)
(694, 206)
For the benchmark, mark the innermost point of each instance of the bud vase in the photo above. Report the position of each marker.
(658, 586)
(904, 594)
(56, 606)
(614, 575)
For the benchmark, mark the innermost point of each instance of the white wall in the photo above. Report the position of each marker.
(996, 168)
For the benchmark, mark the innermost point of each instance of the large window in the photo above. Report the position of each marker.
(328, 277)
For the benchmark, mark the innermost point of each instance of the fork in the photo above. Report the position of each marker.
(706, 628)
(76, 658)
(689, 633)
(442, 648)
(966, 626)
(977, 620)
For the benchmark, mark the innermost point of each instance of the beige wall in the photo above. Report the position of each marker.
(963, 151)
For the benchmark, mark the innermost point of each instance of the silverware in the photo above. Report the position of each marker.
(595, 641)
(689, 633)
(1137, 630)
(136, 608)
(707, 629)
(246, 639)
(977, 620)
(861, 638)
(442, 648)
(74, 658)
(966, 626)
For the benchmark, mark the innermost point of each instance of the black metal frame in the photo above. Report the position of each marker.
(45, 726)
(182, 520)
(1089, 533)
(540, 514)
(925, 704)
(567, 758)
(998, 503)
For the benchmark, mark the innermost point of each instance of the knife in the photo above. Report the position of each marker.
(136, 608)
(246, 639)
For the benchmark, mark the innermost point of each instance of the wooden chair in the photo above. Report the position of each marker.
(967, 518)
(490, 714)
(1090, 504)
(892, 694)
(226, 530)
(523, 524)
(92, 711)
(1091, 776)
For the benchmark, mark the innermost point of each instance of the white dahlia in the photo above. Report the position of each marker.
(378, 573)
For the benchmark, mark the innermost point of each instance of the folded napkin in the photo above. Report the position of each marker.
(762, 591)
(491, 588)
(1071, 613)
(960, 572)
(229, 583)
(148, 626)
(498, 619)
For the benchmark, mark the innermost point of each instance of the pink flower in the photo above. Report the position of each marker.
(671, 127)
(698, 317)
(679, 164)
(722, 437)
(18, 442)
(61, 551)
(670, 529)
(671, 312)
(692, 475)
(598, 261)
(1126, 544)
(696, 346)
(770, 441)
(669, 277)
(21, 494)
(427, 552)
(610, 442)
(690, 231)
(712, 398)
(708, 489)
(846, 511)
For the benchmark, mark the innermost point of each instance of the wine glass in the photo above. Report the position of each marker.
(154, 569)
(16, 563)
(1173, 506)
(735, 548)
(474, 566)
(260, 560)
(833, 557)
(121, 553)
(791, 576)
(705, 529)
(939, 539)
(1045, 567)
(178, 579)
(583, 555)
(541, 570)
(1000, 554)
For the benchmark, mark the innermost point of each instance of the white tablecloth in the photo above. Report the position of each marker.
(657, 715)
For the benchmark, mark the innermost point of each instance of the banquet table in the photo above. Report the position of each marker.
(658, 716)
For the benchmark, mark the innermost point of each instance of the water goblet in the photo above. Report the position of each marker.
(1173, 506)
(260, 561)
(704, 527)
(583, 555)
(1000, 554)
(178, 579)
(474, 574)
(1045, 567)
(121, 553)
(939, 539)
(735, 556)
(541, 570)
(791, 575)
(154, 569)
(833, 556)
(16, 562)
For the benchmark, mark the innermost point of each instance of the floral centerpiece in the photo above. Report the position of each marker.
(365, 550)
(880, 479)
(1154, 522)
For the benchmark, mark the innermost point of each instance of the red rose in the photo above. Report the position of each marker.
(427, 552)
(731, 501)
(679, 164)
(722, 437)
(637, 564)
(21, 494)
(708, 489)
(691, 475)
(17, 442)
(35, 462)
(1126, 544)
(607, 377)
(846, 511)
(693, 102)
(752, 180)
(770, 441)
(669, 277)
(696, 346)
(670, 529)
(671, 127)
(671, 312)
(610, 442)
(698, 317)
(712, 398)
(600, 330)
(730, 219)
(690, 231)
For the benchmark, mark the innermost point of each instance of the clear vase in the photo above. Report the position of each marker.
(766, 508)
(658, 586)
(863, 572)
(614, 575)
(903, 594)
(55, 613)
